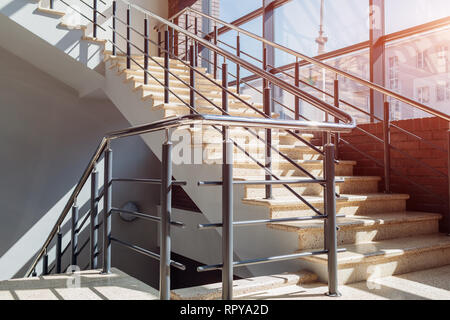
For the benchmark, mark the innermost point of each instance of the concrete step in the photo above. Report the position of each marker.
(384, 258)
(351, 185)
(286, 169)
(258, 149)
(347, 204)
(362, 229)
(208, 91)
(241, 287)
(173, 109)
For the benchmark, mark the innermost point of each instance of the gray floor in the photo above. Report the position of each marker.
(431, 284)
(91, 285)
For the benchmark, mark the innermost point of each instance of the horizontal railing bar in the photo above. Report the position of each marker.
(418, 138)
(168, 123)
(91, 7)
(147, 253)
(265, 260)
(394, 171)
(87, 18)
(205, 226)
(146, 216)
(148, 181)
(319, 63)
(266, 182)
(324, 106)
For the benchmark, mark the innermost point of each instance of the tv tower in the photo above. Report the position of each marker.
(321, 40)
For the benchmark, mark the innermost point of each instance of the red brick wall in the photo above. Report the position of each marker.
(433, 130)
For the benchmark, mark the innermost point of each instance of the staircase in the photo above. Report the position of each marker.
(380, 236)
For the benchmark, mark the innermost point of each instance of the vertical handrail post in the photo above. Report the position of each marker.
(227, 220)
(94, 18)
(186, 39)
(225, 87)
(387, 148)
(166, 210)
(159, 43)
(166, 66)
(52, 4)
(107, 194)
(94, 219)
(215, 53)
(331, 229)
(58, 254)
(192, 77)
(238, 66)
(297, 84)
(146, 53)
(128, 39)
(74, 234)
(114, 28)
(267, 110)
(195, 43)
(337, 135)
(45, 263)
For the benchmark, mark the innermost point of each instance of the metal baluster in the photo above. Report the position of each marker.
(74, 234)
(337, 135)
(166, 66)
(186, 45)
(107, 187)
(175, 39)
(215, 53)
(114, 28)
(58, 254)
(195, 43)
(192, 77)
(224, 90)
(238, 66)
(128, 39)
(94, 219)
(267, 110)
(45, 263)
(146, 33)
(331, 220)
(227, 221)
(34, 274)
(52, 4)
(297, 84)
(159, 43)
(94, 12)
(166, 209)
(387, 148)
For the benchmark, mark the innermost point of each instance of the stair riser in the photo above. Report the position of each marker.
(232, 112)
(349, 208)
(379, 267)
(313, 238)
(258, 151)
(290, 139)
(286, 170)
(313, 189)
(210, 93)
(201, 84)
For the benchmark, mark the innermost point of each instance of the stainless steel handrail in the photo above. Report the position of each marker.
(326, 107)
(321, 64)
(194, 119)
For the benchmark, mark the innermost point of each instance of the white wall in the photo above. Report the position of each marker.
(47, 135)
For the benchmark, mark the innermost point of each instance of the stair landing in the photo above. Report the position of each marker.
(92, 286)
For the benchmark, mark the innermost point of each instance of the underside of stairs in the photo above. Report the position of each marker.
(380, 236)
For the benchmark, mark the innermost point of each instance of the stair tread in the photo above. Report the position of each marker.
(356, 178)
(365, 252)
(292, 201)
(244, 160)
(358, 221)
